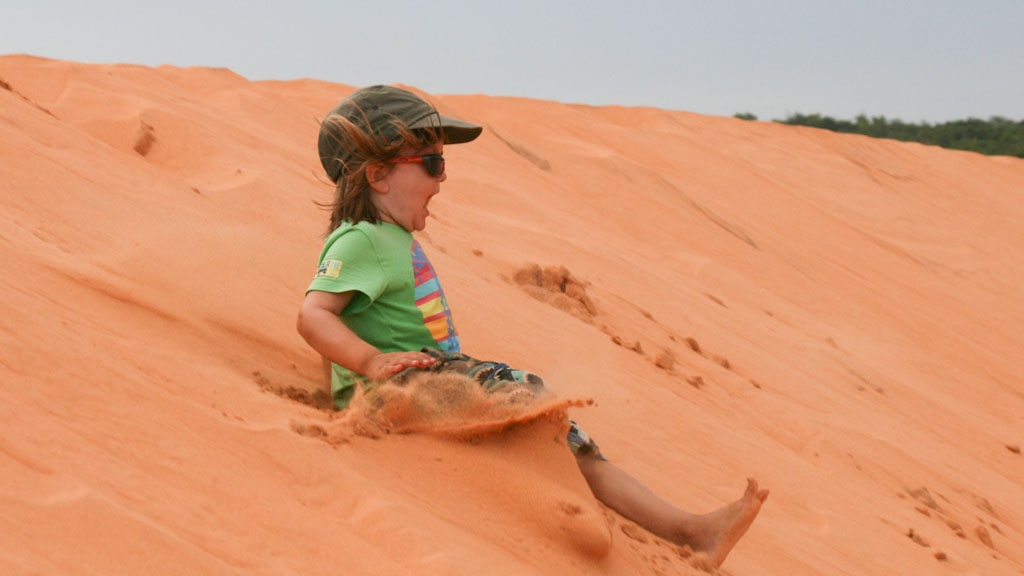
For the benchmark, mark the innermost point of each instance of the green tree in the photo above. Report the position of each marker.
(995, 136)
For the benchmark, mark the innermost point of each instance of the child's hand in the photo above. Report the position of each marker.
(385, 365)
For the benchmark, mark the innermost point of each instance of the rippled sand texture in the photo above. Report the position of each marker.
(838, 316)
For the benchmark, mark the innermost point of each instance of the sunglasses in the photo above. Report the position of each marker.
(433, 163)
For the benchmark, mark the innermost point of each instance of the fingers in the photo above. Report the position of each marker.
(411, 360)
(392, 363)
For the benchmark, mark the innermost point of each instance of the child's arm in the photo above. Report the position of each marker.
(320, 325)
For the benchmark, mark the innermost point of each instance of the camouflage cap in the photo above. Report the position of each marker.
(382, 110)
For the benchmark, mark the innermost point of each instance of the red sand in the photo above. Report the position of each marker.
(840, 317)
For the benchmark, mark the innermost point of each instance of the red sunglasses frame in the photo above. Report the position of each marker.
(431, 162)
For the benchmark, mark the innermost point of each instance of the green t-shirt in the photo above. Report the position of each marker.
(398, 303)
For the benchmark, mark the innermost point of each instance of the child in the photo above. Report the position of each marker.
(376, 310)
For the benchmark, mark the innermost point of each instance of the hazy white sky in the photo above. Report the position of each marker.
(916, 60)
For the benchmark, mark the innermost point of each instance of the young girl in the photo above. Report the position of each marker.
(376, 309)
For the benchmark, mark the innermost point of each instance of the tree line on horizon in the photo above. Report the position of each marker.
(997, 136)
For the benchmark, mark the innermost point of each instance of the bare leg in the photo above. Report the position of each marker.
(714, 533)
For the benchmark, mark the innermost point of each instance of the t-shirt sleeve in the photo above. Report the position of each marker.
(350, 263)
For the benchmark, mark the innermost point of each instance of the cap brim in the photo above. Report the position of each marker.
(455, 131)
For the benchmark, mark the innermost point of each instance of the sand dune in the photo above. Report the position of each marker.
(840, 317)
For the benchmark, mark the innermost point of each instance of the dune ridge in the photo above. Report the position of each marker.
(835, 315)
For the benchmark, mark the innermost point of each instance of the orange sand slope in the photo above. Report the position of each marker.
(838, 316)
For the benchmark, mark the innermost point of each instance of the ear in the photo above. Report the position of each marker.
(376, 176)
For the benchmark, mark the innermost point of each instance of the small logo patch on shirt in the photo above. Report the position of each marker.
(329, 269)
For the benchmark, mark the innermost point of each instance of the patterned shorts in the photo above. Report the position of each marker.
(495, 376)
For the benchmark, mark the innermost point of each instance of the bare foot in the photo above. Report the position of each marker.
(717, 532)
(713, 534)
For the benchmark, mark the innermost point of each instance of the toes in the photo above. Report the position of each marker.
(753, 492)
(751, 487)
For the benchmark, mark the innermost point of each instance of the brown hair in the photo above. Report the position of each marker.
(364, 146)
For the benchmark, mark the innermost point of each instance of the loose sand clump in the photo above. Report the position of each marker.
(449, 405)
(558, 287)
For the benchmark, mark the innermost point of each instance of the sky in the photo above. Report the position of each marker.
(914, 60)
